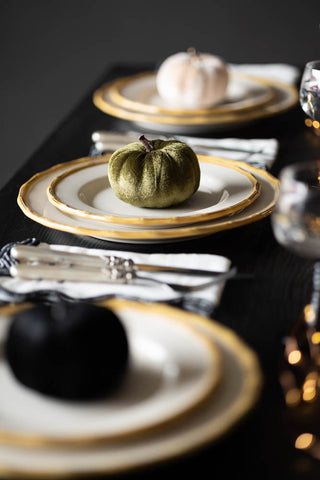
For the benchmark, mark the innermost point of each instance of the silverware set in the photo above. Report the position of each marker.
(43, 262)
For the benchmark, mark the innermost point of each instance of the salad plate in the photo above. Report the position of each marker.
(139, 93)
(34, 202)
(85, 191)
(238, 392)
(172, 370)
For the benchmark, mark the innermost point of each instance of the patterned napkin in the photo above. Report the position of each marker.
(202, 301)
(259, 152)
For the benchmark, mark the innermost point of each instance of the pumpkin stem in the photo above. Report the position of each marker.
(192, 52)
(146, 143)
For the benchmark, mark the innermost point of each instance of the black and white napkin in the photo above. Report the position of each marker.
(204, 300)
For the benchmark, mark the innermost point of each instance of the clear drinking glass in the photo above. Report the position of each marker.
(310, 94)
(296, 219)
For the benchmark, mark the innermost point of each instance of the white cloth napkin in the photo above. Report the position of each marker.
(281, 72)
(258, 152)
(203, 301)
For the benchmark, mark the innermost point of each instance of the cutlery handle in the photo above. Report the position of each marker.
(43, 254)
(61, 274)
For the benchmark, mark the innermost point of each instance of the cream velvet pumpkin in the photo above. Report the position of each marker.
(192, 80)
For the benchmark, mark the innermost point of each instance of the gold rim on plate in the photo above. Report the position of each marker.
(196, 396)
(286, 96)
(238, 393)
(141, 220)
(93, 229)
(118, 98)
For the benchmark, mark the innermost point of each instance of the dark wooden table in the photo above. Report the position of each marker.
(261, 310)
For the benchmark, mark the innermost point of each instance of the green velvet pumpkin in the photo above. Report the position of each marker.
(154, 174)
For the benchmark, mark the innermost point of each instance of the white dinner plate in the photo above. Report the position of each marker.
(139, 92)
(85, 191)
(172, 371)
(285, 97)
(237, 393)
(33, 201)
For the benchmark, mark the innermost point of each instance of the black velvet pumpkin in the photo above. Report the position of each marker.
(67, 350)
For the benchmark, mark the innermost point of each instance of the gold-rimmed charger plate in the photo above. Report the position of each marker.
(34, 202)
(139, 92)
(285, 97)
(85, 191)
(238, 392)
(172, 371)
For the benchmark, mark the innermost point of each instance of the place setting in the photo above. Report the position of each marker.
(77, 197)
(160, 101)
(157, 377)
(186, 399)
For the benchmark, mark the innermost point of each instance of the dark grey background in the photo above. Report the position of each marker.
(52, 51)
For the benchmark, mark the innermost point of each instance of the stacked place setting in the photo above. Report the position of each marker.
(76, 197)
(187, 381)
(161, 100)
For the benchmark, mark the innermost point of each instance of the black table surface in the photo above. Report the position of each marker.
(261, 310)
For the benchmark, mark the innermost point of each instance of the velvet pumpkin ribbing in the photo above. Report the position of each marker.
(165, 176)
